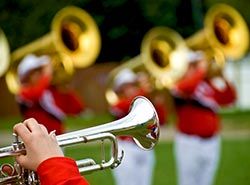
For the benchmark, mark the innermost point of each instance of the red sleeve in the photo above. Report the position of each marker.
(60, 171)
(226, 96)
(188, 84)
(76, 104)
(161, 112)
(34, 92)
(68, 101)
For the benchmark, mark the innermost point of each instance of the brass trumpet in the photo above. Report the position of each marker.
(224, 30)
(163, 53)
(73, 42)
(5, 53)
(141, 123)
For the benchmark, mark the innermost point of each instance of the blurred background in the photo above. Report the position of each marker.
(122, 25)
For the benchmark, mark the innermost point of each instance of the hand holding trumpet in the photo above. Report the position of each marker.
(42, 151)
(39, 144)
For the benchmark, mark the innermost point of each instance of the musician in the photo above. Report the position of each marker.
(41, 100)
(198, 97)
(137, 165)
(44, 156)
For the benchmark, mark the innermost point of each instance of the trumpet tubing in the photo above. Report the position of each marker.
(141, 123)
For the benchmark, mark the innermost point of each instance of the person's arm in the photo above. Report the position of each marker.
(188, 84)
(34, 92)
(225, 92)
(60, 170)
(44, 155)
(76, 104)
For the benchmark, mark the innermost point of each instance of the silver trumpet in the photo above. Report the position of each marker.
(141, 123)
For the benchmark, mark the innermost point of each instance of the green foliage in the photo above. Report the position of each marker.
(160, 12)
(122, 23)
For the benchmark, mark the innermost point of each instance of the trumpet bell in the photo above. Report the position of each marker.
(141, 123)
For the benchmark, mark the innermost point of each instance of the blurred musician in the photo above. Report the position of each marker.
(198, 97)
(39, 99)
(137, 165)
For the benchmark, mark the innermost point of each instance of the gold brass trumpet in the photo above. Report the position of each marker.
(141, 123)
(5, 53)
(163, 53)
(74, 41)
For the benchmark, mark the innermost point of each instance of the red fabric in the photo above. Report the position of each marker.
(188, 84)
(121, 108)
(68, 101)
(45, 118)
(197, 121)
(60, 171)
(197, 115)
(33, 93)
(30, 99)
(161, 112)
(226, 96)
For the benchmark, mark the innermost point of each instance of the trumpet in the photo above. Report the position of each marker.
(73, 42)
(141, 123)
(163, 53)
(5, 53)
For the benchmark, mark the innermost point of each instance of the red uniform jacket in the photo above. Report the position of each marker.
(197, 102)
(60, 171)
(48, 105)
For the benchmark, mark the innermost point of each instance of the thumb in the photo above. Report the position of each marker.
(22, 160)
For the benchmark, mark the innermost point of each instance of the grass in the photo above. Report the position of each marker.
(233, 168)
(235, 119)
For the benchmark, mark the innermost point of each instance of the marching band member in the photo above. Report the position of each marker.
(137, 165)
(39, 99)
(46, 158)
(198, 97)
